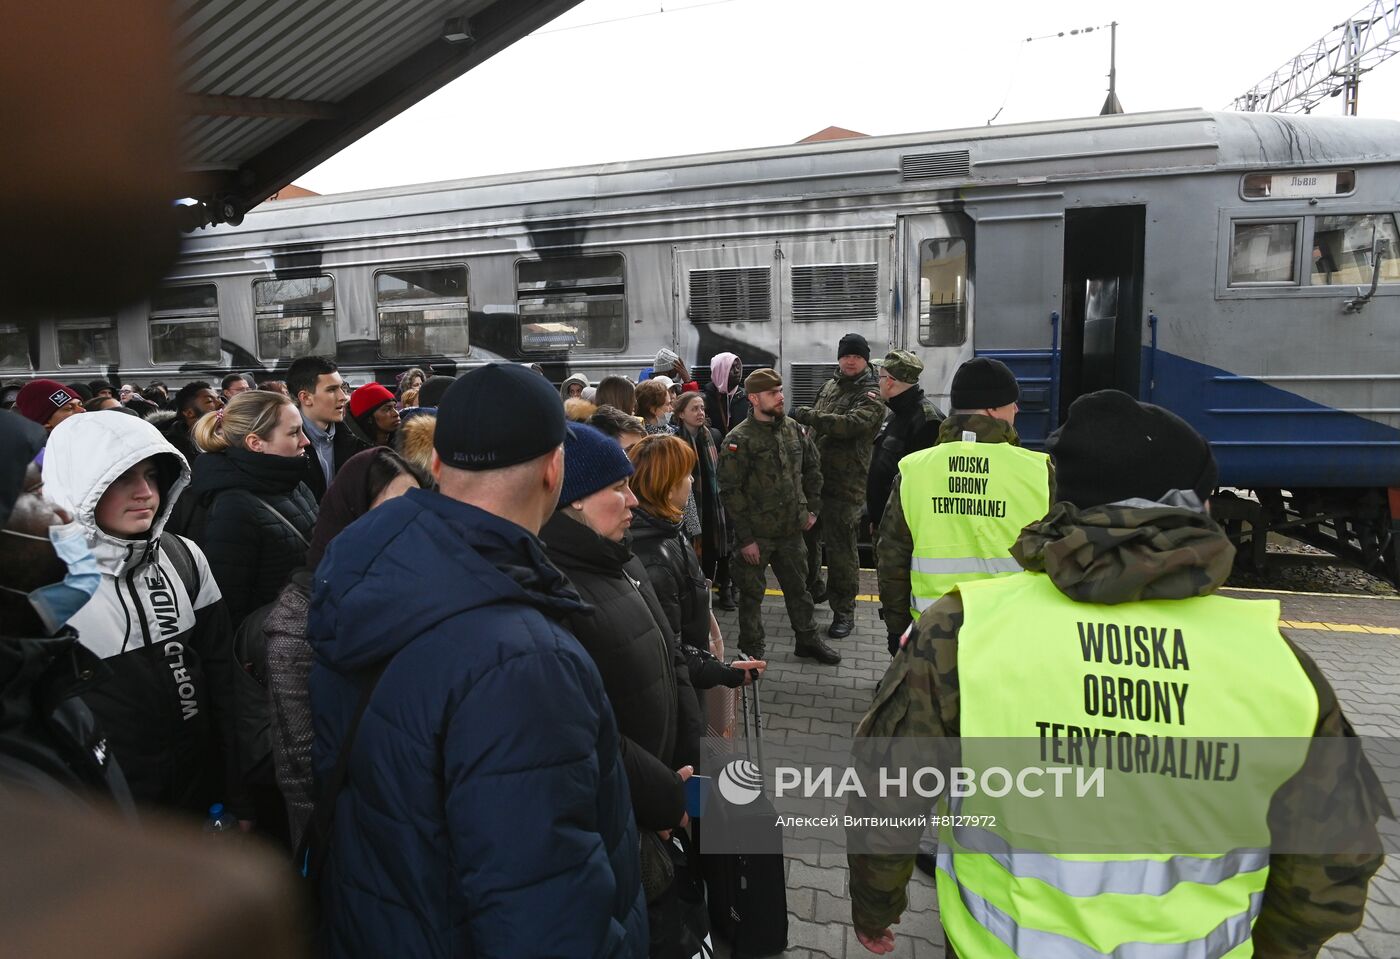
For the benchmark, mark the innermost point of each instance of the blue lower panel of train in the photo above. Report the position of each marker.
(1264, 437)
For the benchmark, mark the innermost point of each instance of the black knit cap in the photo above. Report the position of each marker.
(497, 416)
(983, 383)
(1112, 448)
(432, 390)
(853, 344)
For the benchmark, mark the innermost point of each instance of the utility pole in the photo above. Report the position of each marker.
(1111, 105)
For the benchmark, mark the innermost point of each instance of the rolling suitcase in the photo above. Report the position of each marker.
(748, 890)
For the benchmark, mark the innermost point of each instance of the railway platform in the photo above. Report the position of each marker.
(1354, 639)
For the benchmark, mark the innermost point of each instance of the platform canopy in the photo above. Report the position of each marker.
(273, 88)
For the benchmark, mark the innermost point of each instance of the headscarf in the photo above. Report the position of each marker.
(348, 498)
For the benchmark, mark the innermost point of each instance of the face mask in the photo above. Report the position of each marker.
(59, 602)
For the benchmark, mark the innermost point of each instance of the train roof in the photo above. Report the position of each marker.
(1163, 141)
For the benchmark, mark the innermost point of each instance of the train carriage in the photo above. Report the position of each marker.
(1240, 269)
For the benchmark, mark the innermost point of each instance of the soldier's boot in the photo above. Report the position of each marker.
(753, 650)
(841, 625)
(811, 646)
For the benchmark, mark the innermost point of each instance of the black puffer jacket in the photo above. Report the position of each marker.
(251, 551)
(640, 662)
(50, 745)
(685, 599)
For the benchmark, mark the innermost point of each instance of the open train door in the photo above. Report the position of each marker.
(1101, 342)
(933, 296)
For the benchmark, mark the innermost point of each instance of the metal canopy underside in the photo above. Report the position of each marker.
(274, 87)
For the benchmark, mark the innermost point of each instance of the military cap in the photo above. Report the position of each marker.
(761, 380)
(902, 365)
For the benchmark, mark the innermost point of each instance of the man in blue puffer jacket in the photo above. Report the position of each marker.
(486, 810)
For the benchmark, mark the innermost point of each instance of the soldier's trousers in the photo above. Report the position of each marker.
(788, 557)
(837, 528)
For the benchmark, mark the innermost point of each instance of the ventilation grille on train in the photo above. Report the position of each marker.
(842, 291)
(927, 166)
(731, 295)
(805, 381)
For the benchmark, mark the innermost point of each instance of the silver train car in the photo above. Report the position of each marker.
(1240, 269)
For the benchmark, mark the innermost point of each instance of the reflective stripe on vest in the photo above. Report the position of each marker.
(1188, 878)
(1232, 933)
(965, 504)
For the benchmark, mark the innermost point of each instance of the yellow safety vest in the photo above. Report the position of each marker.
(1172, 861)
(965, 504)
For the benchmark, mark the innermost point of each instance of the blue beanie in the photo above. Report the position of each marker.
(592, 461)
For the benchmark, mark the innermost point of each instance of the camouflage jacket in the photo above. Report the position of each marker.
(1110, 555)
(894, 547)
(769, 478)
(846, 415)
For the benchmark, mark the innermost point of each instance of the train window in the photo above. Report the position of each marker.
(14, 347)
(184, 325)
(1345, 249)
(1263, 253)
(87, 342)
(742, 295)
(839, 291)
(422, 311)
(295, 316)
(571, 303)
(1299, 183)
(943, 292)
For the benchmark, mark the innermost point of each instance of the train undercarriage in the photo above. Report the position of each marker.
(1355, 527)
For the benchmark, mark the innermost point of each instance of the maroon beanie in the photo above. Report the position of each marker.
(40, 399)
(369, 397)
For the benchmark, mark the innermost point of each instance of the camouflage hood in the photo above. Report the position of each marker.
(1126, 552)
(988, 429)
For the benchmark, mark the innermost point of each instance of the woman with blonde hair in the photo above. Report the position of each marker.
(661, 480)
(257, 513)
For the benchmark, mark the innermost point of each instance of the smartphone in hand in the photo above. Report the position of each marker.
(696, 788)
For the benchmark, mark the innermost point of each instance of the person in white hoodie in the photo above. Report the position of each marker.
(157, 620)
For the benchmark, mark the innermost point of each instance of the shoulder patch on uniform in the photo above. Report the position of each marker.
(733, 447)
(873, 394)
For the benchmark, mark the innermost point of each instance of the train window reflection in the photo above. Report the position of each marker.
(184, 325)
(1344, 248)
(295, 316)
(1263, 253)
(422, 311)
(14, 348)
(571, 303)
(943, 292)
(87, 343)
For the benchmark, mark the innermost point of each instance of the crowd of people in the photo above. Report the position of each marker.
(461, 671)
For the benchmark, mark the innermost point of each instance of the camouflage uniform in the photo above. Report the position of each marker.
(1109, 555)
(895, 545)
(769, 480)
(845, 416)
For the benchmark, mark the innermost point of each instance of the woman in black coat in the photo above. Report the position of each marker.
(661, 482)
(253, 516)
(713, 541)
(626, 635)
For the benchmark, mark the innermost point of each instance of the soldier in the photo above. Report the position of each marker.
(1129, 543)
(845, 416)
(910, 425)
(770, 482)
(955, 509)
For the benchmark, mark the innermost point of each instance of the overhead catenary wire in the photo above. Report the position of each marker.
(1012, 74)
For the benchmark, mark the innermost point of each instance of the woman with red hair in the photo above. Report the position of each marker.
(662, 470)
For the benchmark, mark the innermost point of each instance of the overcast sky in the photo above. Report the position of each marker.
(733, 74)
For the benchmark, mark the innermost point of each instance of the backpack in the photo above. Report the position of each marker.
(252, 707)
